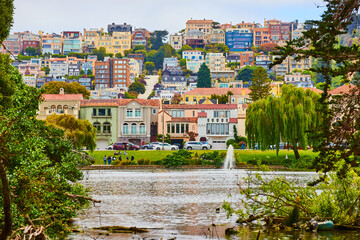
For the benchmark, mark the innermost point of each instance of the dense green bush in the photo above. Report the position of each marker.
(214, 158)
(142, 161)
(193, 161)
(125, 162)
(177, 159)
(116, 162)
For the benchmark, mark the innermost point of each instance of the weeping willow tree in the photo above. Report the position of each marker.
(287, 118)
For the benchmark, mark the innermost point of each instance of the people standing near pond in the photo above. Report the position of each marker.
(114, 158)
(120, 158)
(105, 159)
(109, 160)
(127, 158)
(132, 158)
(125, 153)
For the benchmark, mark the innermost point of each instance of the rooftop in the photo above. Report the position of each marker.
(218, 91)
(62, 97)
(118, 102)
(342, 89)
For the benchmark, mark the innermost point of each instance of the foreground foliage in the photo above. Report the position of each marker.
(336, 199)
(38, 166)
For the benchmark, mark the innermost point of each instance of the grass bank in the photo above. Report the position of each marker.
(242, 157)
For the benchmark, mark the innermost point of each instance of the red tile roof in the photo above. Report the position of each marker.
(180, 106)
(218, 91)
(202, 114)
(100, 102)
(233, 120)
(217, 106)
(343, 89)
(118, 102)
(314, 89)
(62, 97)
(184, 119)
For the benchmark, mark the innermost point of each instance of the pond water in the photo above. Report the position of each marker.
(172, 204)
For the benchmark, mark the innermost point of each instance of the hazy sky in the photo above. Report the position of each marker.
(61, 15)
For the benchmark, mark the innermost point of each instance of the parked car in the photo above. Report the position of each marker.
(127, 145)
(166, 147)
(150, 145)
(109, 147)
(192, 145)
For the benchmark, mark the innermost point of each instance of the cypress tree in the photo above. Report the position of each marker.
(260, 86)
(204, 79)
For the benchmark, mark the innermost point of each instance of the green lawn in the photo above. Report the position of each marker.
(242, 156)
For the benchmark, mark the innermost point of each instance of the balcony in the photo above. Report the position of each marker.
(101, 116)
(105, 133)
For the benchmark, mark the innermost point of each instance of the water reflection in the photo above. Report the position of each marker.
(173, 203)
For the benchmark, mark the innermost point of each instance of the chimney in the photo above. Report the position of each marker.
(61, 91)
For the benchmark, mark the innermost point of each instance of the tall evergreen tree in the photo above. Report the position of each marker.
(204, 79)
(260, 86)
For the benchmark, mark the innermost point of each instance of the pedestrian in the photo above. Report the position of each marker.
(115, 153)
(114, 158)
(109, 160)
(127, 158)
(132, 158)
(243, 145)
(105, 159)
(120, 158)
(203, 157)
(125, 153)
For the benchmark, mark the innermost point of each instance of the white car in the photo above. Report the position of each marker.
(166, 147)
(193, 145)
(109, 147)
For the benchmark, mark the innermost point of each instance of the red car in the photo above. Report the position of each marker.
(125, 145)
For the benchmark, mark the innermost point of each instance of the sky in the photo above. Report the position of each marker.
(75, 15)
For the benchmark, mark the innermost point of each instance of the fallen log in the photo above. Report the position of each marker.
(121, 229)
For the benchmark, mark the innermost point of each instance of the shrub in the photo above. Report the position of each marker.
(177, 159)
(157, 162)
(116, 162)
(193, 161)
(125, 162)
(230, 142)
(214, 158)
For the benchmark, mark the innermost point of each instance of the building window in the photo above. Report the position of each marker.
(133, 128)
(106, 127)
(217, 128)
(97, 125)
(101, 112)
(142, 129)
(129, 113)
(154, 111)
(138, 112)
(125, 128)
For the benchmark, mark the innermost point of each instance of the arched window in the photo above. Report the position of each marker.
(59, 109)
(133, 128)
(142, 129)
(65, 107)
(53, 109)
(106, 127)
(125, 128)
(97, 125)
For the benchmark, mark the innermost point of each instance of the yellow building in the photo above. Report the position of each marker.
(204, 26)
(216, 36)
(118, 42)
(89, 36)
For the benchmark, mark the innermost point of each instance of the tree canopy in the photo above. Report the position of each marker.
(338, 61)
(246, 73)
(69, 88)
(137, 87)
(260, 84)
(38, 166)
(204, 78)
(80, 132)
(157, 38)
(287, 118)
(100, 53)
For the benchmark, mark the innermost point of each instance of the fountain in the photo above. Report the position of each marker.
(229, 160)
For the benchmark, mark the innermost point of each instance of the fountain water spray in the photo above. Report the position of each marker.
(229, 160)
